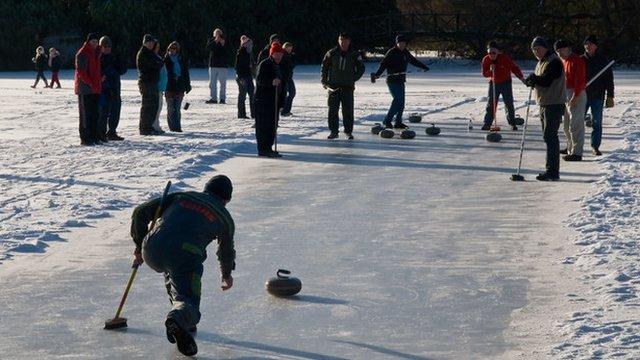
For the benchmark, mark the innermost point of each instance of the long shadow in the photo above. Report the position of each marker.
(360, 160)
(220, 340)
(39, 179)
(382, 350)
(318, 300)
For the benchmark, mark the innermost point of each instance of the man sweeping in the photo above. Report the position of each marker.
(176, 246)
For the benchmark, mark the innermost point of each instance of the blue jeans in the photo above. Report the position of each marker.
(397, 91)
(174, 102)
(505, 89)
(290, 87)
(596, 106)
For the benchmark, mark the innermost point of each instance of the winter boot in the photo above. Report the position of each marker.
(181, 337)
(333, 135)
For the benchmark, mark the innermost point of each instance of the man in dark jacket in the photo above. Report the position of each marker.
(395, 62)
(88, 80)
(264, 53)
(269, 99)
(110, 101)
(217, 67)
(596, 61)
(176, 246)
(244, 76)
(178, 83)
(340, 69)
(549, 84)
(287, 65)
(148, 64)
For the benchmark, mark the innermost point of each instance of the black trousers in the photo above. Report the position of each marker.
(149, 108)
(110, 105)
(551, 117)
(342, 96)
(265, 127)
(245, 88)
(88, 106)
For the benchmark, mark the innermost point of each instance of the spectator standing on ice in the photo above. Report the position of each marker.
(595, 62)
(162, 87)
(112, 69)
(178, 84)
(497, 67)
(575, 81)
(268, 84)
(54, 65)
(148, 64)
(264, 53)
(40, 63)
(395, 63)
(288, 64)
(177, 247)
(548, 81)
(245, 66)
(88, 85)
(217, 67)
(341, 68)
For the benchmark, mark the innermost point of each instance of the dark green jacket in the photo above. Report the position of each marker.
(189, 222)
(340, 69)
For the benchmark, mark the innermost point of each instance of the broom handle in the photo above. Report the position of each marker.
(275, 132)
(135, 267)
(601, 72)
(524, 131)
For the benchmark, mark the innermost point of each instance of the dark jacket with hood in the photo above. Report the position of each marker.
(112, 68)
(148, 64)
(265, 94)
(244, 63)
(602, 84)
(341, 69)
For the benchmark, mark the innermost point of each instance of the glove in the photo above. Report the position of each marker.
(492, 67)
(324, 85)
(530, 81)
(609, 103)
(188, 89)
(373, 78)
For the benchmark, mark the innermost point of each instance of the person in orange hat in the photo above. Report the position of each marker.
(269, 99)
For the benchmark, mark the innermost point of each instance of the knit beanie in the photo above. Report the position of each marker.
(539, 41)
(219, 186)
(560, 44)
(275, 48)
(592, 39)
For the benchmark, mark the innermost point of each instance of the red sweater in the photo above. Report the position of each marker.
(88, 77)
(575, 73)
(504, 68)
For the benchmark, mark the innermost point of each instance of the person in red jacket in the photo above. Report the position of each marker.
(575, 75)
(497, 67)
(88, 85)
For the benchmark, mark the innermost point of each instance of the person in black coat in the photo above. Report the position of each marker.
(54, 65)
(40, 62)
(269, 99)
(110, 103)
(148, 64)
(395, 62)
(244, 76)
(287, 65)
(178, 84)
(217, 67)
(264, 53)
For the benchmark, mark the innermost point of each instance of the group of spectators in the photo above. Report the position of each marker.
(41, 62)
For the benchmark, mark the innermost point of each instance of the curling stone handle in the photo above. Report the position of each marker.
(282, 273)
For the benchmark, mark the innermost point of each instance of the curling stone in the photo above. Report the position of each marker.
(494, 137)
(588, 122)
(282, 285)
(387, 134)
(519, 121)
(415, 118)
(433, 130)
(408, 134)
(375, 130)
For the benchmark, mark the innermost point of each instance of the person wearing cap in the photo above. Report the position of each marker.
(497, 67)
(88, 85)
(287, 65)
(548, 82)
(575, 81)
(264, 53)
(245, 67)
(395, 63)
(217, 67)
(269, 89)
(596, 61)
(176, 246)
(148, 64)
(341, 67)
(112, 68)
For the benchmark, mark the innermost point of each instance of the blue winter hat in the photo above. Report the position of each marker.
(539, 41)
(219, 186)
